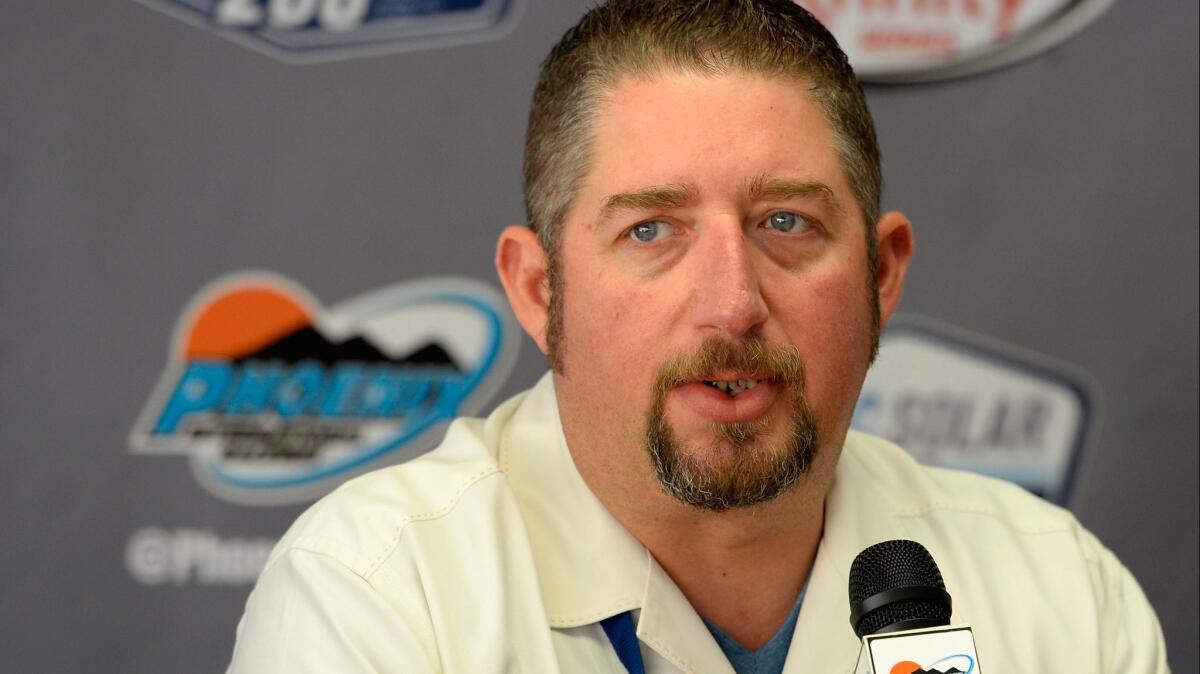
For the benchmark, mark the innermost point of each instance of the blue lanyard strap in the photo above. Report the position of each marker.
(623, 636)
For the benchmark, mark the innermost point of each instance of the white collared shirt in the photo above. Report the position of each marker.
(490, 554)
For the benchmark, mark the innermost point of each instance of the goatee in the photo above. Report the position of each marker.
(744, 472)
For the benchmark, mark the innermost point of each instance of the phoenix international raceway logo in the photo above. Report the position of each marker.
(302, 31)
(276, 400)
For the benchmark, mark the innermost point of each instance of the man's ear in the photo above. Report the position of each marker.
(522, 266)
(894, 239)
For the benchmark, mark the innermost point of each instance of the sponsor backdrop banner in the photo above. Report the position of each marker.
(245, 254)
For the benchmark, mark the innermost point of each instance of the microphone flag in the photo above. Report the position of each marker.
(932, 650)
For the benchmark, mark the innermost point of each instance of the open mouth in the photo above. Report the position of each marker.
(731, 387)
(729, 397)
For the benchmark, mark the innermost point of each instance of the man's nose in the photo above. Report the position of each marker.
(728, 297)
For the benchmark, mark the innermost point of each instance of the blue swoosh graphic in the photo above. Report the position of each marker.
(970, 661)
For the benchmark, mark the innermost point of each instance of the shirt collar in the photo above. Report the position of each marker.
(589, 566)
(857, 514)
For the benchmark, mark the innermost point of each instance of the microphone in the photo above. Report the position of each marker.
(900, 608)
(896, 585)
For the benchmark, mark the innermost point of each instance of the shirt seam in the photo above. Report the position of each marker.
(595, 616)
(451, 504)
(936, 506)
(680, 661)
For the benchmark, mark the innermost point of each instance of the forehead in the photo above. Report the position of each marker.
(711, 132)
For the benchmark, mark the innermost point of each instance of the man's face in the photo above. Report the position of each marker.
(715, 307)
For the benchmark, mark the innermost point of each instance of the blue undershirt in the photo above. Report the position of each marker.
(766, 660)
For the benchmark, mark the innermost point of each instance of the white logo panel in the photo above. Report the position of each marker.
(962, 401)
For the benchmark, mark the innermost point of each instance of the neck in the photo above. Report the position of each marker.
(741, 569)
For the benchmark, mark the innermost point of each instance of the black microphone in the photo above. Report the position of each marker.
(900, 609)
(896, 585)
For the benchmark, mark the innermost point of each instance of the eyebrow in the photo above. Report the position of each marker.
(662, 197)
(657, 197)
(765, 186)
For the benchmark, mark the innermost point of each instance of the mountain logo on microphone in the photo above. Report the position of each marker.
(954, 664)
(277, 400)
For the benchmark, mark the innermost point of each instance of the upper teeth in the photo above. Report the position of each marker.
(736, 386)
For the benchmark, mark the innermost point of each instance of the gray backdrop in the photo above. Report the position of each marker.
(1055, 205)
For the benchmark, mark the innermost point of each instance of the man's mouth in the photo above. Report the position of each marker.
(729, 397)
(731, 387)
(729, 383)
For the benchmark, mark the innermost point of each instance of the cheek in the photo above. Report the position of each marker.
(606, 311)
(830, 322)
(610, 363)
(843, 312)
(609, 335)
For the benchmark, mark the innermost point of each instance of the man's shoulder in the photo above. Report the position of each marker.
(979, 529)
(362, 521)
(1018, 566)
(914, 490)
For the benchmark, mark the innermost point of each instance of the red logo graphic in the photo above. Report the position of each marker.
(242, 321)
(900, 40)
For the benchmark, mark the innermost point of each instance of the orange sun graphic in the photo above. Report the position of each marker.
(241, 321)
(906, 667)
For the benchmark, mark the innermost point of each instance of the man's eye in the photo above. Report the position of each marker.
(788, 223)
(646, 232)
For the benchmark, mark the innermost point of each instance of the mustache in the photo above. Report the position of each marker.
(752, 356)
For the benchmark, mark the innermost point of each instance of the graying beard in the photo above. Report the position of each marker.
(739, 434)
(745, 483)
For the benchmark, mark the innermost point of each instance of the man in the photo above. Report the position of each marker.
(707, 271)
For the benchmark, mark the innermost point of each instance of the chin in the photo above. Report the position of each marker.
(734, 466)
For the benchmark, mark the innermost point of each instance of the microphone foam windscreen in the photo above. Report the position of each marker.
(886, 567)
